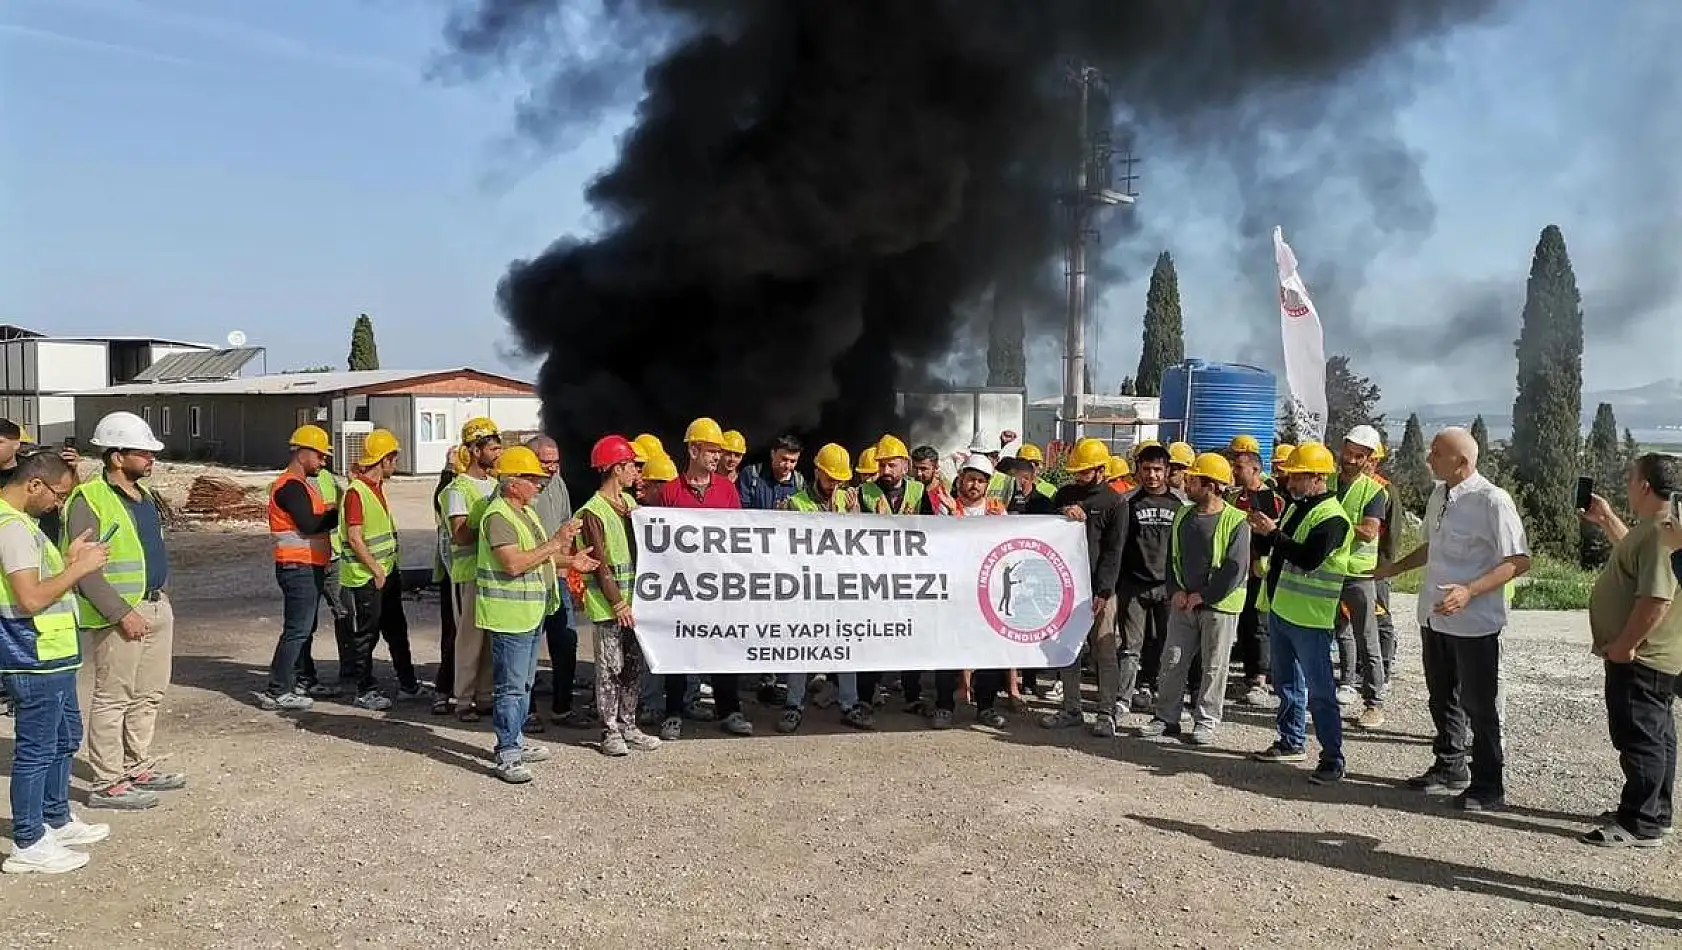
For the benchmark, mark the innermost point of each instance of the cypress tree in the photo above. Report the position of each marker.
(1632, 451)
(1547, 412)
(1165, 338)
(364, 353)
(1408, 471)
(1603, 461)
(1480, 435)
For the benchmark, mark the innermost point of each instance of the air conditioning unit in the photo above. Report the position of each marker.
(347, 443)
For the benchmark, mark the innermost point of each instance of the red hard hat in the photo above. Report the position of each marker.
(610, 450)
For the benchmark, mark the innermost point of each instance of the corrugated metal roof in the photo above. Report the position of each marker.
(285, 383)
(205, 365)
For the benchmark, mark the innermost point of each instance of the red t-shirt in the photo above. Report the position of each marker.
(720, 493)
(353, 502)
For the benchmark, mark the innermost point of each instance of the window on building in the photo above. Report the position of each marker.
(193, 419)
(304, 416)
(163, 421)
(146, 414)
(434, 427)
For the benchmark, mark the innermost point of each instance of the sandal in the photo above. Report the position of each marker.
(468, 713)
(1617, 836)
(443, 706)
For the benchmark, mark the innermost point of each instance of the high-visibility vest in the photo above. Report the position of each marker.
(45, 642)
(1310, 598)
(805, 500)
(874, 500)
(999, 486)
(513, 603)
(329, 488)
(292, 546)
(1045, 488)
(379, 533)
(1362, 557)
(125, 567)
(1225, 528)
(464, 558)
(617, 557)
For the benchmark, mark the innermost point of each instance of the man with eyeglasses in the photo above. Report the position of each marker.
(553, 507)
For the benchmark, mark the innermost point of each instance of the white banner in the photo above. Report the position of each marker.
(1305, 346)
(791, 592)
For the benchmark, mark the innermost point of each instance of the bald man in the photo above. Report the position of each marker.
(1474, 545)
(554, 508)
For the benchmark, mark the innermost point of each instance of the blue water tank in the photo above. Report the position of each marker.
(1213, 403)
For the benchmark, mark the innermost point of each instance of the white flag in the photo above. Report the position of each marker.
(1305, 345)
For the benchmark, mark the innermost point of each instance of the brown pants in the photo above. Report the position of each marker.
(473, 652)
(1101, 638)
(129, 679)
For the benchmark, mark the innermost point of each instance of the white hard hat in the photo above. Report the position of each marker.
(125, 430)
(980, 446)
(1010, 449)
(977, 463)
(1364, 436)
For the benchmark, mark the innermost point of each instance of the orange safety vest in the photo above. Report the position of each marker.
(994, 507)
(292, 546)
(1121, 485)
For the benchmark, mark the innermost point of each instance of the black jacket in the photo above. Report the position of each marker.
(1320, 542)
(1105, 520)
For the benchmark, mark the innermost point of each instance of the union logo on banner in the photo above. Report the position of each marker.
(1292, 302)
(1026, 590)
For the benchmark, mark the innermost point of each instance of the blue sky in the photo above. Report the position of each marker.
(184, 168)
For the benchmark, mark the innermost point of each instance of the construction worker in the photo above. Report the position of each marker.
(925, 468)
(1281, 455)
(1180, 457)
(39, 657)
(865, 472)
(1209, 561)
(443, 683)
(650, 445)
(372, 584)
(1359, 649)
(1087, 498)
(973, 500)
(659, 470)
(730, 462)
(1307, 548)
(1142, 584)
(1030, 453)
(1116, 475)
(1140, 447)
(462, 506)
(828, 491)
(1252, 492)
(127, 616)
(553, 507)
(765, 487)
(517, 588)
(1027, 499)
(605, 532)
(893, 492)
(309, 680)
(701, 486)
(300, 526)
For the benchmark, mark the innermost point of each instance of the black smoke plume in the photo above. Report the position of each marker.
(814, 193)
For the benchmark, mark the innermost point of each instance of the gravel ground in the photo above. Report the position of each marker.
(340, 827)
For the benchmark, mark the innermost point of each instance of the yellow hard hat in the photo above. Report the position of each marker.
(1310, 458)
(1180, 453)
(832, 460)
(1379, 453)
(640, 455)
(24, 436)
(478, 428)
(867, 462)
(1282, 453)
(1148, 443)
(379, 444)
(1116, 467)
(660, 468)
(1088, 454)
(735, 443)
(890, 447)
(1212, 466)
(704, 430)
(1244, 443)
(650, 445)
(311, 437)
(519, 460)
(460, 459)
(1029, 452)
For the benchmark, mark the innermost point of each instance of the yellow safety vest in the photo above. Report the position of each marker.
(125, 568)
(1225, 528)
(1310, 598)
(45, 642)
(379, 533)
(513, 603)
(617, 557)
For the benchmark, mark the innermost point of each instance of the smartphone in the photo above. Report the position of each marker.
(69, 441)
(1585, 489)
(110, 533)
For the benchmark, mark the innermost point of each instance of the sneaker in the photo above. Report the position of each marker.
(671, 729)
(991, 718)
(698, 712)
(614, 744)
(46, 856)
(513, 772)
(534, 753)
(1154, 729)
(861, 716)
(1259, 696)
(373, 700)
(76, 832)
(737, 725)
(1144, 699)
(1103, 726)
(533, 725)
(411, 692)
(639, 740)
(1470, 801)
(286, 702)
(1441, 782)
(1348, 695)
(942, 719)
(1062, 719)
(1202, 735)
(1326, 773)
(151, 781)
(1610, 816)
(122, 796)
(1278, 752)
(789, 721)
(1052, 693)
(1371, 718)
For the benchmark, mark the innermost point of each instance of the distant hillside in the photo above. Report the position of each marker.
(1653, 406)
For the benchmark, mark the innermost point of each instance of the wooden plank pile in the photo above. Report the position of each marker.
(218, 499)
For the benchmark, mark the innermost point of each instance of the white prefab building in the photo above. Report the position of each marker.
(39, 373)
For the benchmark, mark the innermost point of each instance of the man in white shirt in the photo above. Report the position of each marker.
(1474, 546)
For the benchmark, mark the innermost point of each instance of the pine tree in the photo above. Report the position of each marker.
(1547, 412)
(364, 353)
(1351, 400)
(1165, 340)
(1408, 471)
(1603, 461)
(1480, 435)
(1006, 341)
